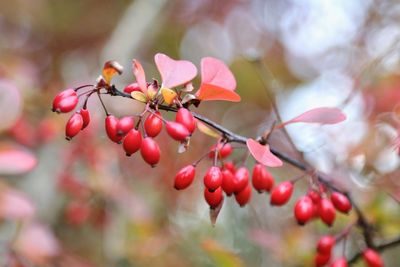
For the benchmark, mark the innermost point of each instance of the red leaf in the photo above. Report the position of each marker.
(15, 205)
(320, 115)
(174, 72)
(217, 81)
(14, 161)
(213, 92)
(262, 154)
(139, 74)
(215, 72)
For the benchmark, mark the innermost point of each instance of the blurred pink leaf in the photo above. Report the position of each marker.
(174, 72)
(15, 161)
(217, 81)
(37, 243)
(15, 205)
(322, 115)
(262, 154)
(10, 104)
(139, 74)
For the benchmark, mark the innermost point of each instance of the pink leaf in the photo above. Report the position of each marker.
(217, 81)
(215, 72)
(15, 205)
(139, 74)
(320, 115)
(262, 154)
(15, 161)
(37, 243)
(10, 103)
(174, 72)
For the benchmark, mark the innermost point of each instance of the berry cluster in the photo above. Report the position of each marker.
(223, 177)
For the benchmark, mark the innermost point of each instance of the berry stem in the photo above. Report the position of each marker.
(102, 103)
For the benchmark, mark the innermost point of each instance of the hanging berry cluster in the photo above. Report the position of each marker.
(223, 177)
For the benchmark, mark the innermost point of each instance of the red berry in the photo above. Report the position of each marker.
(262, 179)
(224, 150)
(304, 210)
(184, 177)
(153, 124)
(241, 179)
(111, 123)
(341, 202)
(341, 262)
(65, 101)
(281, 193)
(150, 151)
(132, 87)
(244, 196)
(230, 166)
(228, 182)
(86, 117)
(74, 126)
(213, 178)
(372, 258)
(177, 131)
(185, 117)
(213, 198)
(321, 259)
(325, 244)
(77, 212)
(315, 196)
(327, 211)
(124, 125)
(132, 142)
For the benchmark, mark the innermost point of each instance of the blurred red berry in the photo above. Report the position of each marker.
(74, 126)
(184, 177)
(153, 124)
(262, 179)
(281, 194)
(185, 117)
(150, 151)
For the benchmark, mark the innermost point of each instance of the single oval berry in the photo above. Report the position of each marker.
(372, 258)
(262, 179)
(132, 142)
(67, 104)
(153, 124)
(74, 126)
(315, 196)
(326, 244)
(85, 116)
(327, 211)
(111, 123)
(341, 262)
(61, 96)
(185, 117)
(124, 125)
(224, 150)
(244, 196)
(341, 202)
(150, 151)
(281, 194)
(304, 210)
(132, 87)
(228, 182)
(177, 131)
(241, 179)
(213, 198)
(321, 259)
(184, 177)
(213, 178)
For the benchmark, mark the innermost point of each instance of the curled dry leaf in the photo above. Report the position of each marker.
(262, 154)
(322, 115)
(110, 69)
(14, 161)
(168, 95)
(214, 213)
(174, 72)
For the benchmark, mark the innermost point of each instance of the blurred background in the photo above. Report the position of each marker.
(83, 203)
